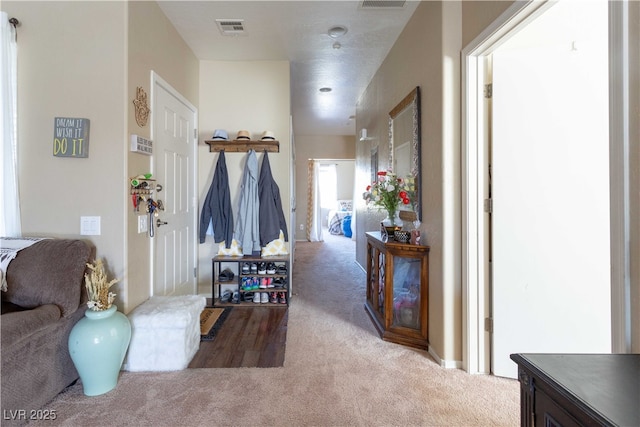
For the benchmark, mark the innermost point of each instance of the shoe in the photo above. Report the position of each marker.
(248, 296)
(264, 297)
(271, 268)
(270, 282)
(235, 298)
(282, 297)
(254, 284)
(246, 267)
(262, 268)
(256, 298)
(254, 267)
(282, 269)
(273, 297)
(246, 284)
(278, 282)
(226, 296)
(226, 275)
(263, 283)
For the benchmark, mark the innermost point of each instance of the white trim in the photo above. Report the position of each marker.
(473, 183)
(447, 364)
(619, 122)
(159, 81)
(473, 254)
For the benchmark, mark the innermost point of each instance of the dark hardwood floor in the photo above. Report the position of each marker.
(249, 337)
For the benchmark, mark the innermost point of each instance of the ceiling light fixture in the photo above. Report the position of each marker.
(337, 45)
(325, 89)
(337, 31)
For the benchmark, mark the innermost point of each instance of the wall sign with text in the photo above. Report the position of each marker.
(70, 137)
(141, 145)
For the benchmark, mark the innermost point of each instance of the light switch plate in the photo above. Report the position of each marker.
(142, 224)
(90, 225)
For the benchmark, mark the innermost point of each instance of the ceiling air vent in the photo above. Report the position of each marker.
(382, 4)
(230, 27)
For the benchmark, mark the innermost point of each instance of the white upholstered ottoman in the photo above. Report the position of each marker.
(165, 333)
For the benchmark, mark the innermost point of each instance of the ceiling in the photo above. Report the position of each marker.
(297, 31)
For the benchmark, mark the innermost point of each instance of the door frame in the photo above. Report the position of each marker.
(476, 341)
(157, 81)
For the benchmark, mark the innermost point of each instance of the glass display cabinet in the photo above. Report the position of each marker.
(397, 290)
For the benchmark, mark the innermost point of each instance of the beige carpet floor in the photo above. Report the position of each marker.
(337, 372)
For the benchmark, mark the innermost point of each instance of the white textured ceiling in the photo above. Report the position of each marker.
(297, 31)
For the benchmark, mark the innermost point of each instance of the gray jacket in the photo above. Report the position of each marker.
(271, 215)
(247, 231)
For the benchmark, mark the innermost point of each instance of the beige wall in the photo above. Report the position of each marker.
(235, 96)
(478, 15)
(153, 44)
(427, 55)
(316, 147)
(72, 63)
(91, 70)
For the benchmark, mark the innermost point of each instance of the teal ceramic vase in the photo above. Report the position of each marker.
(97, 345)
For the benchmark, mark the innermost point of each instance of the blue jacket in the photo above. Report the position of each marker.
(217, 206)
(247, 230)
(271, 215)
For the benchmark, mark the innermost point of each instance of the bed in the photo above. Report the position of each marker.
(336, 218)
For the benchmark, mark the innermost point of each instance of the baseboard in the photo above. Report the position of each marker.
(447, 364)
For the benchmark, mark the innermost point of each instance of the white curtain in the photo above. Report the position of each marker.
(328, 184)
(10, 216)
(314, 205)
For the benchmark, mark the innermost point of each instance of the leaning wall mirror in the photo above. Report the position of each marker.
(404, 149)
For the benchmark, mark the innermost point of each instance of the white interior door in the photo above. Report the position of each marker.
(550, 187)
(174, 158)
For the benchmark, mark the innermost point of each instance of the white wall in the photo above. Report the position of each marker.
(235, 96)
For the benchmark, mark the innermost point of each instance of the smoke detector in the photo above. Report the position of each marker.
(363, 135)
(231, 27)
(337, 31)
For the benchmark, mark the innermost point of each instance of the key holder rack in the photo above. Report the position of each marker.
(143, 186)
(141, 190)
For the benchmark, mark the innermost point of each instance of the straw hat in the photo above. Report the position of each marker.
(268, 135)
(243, 134)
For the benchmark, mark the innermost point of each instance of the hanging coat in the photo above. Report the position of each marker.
(247, 230)
(217, 206)
(271, 214)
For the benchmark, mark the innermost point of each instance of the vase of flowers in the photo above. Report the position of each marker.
(388, 192)
(99, 341)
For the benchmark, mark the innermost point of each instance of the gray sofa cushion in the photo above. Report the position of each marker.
(41, 274)
(22, 324)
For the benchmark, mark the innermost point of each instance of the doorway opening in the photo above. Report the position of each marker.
(330, 196)
(478, 206)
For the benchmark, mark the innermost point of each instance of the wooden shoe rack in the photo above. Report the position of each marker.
(234, 263)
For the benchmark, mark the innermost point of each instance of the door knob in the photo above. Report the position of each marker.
(160, 223)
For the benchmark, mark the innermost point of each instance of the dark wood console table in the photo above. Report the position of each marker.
(398, 290)
(579, 389)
